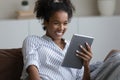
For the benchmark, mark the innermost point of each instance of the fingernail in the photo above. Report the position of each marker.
(81, 46)
(86, 43)
(77, 55)
(77, 51)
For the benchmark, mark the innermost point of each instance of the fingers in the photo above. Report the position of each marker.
(88, 47)
(85, 57)
(86, 50)
(86, 53)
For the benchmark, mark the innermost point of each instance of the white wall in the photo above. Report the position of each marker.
(106, 33)
(8, 8)
(12, 33)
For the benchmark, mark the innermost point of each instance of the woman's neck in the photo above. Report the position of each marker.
(60, 43)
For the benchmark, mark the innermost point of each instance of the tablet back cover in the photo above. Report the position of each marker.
(71, 60)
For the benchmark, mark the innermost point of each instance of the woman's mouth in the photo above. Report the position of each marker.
(59, 33)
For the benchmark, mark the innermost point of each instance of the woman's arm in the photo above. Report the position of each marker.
(33, 73)
(86, 55)
(86, 75)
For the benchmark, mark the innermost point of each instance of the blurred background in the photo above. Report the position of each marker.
(84, 8)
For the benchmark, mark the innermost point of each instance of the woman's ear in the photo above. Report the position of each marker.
(45, 23)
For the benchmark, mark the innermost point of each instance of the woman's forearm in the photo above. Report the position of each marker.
(86, 75)
(33, 73)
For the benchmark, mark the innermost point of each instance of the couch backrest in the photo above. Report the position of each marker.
(11, 64)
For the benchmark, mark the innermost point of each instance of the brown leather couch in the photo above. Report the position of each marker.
(11, 64)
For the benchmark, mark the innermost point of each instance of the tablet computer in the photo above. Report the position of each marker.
(70, 59)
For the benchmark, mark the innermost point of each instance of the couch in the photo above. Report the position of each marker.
(11, 64)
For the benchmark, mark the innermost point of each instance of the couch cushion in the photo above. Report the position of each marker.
(11, 64)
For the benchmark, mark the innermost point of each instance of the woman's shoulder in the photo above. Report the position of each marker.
(33, 38)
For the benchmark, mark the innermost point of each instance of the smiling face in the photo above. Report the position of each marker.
(57, 25)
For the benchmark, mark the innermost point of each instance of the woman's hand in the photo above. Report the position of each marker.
(85, 54)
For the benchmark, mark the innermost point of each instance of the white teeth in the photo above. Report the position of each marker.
(59, 33)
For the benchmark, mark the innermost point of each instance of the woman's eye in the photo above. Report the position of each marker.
(65, 23)
(56, 23)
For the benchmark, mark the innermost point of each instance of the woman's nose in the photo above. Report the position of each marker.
(61, 27)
